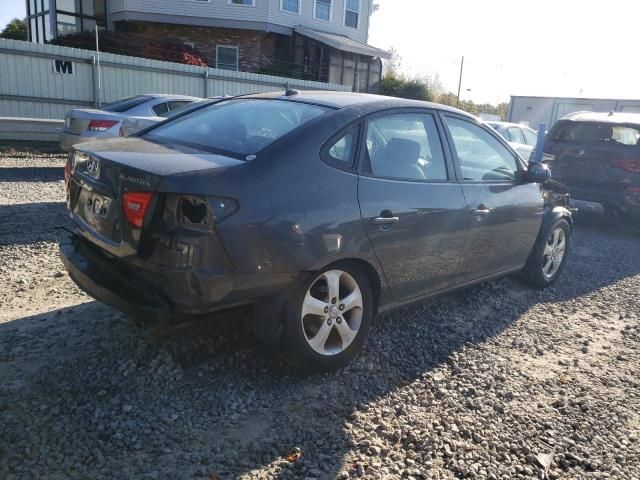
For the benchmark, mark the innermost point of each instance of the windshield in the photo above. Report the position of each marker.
(126, 104)
(240, 127)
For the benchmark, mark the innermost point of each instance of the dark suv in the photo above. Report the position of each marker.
(319, 208)
(597, 155)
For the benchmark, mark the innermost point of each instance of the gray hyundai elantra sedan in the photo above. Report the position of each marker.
(321, 209)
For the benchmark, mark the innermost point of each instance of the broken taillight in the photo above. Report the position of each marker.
(135, 205)
(68, 167)
(101, 125)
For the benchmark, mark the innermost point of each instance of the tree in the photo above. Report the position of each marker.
(448, 98)
(392, 65)
(16, 29)
(429, 88)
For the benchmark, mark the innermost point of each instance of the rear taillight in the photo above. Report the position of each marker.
(135, 205)
(629, 166)
(101, 125)
(68, 169)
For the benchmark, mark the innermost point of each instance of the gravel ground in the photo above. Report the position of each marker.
(498, 381)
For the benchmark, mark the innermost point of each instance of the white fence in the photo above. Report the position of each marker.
(45, 81)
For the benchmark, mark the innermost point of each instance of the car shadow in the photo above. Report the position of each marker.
(203, 400)
(31, 174)
(35, 221)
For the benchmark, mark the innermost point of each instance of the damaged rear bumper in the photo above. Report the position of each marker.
(162, 294)
(98, 277)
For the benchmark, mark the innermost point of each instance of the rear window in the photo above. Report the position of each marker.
(240, 127)
(592, 132)
(126, 104)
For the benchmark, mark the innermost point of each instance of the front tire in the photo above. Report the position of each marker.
(549, 255)
(328, 317)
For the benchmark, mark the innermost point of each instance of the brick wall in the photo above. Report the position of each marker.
(256, 49)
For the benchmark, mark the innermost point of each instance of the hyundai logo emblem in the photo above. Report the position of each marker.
(93, 167)
(581, 153)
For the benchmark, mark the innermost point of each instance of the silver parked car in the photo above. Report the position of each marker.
(132, 125)
(86, 124)
(522, 138)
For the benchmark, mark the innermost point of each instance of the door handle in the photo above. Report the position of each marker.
(384, 220)
(481, 210)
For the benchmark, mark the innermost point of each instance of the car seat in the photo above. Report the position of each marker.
(399, 158)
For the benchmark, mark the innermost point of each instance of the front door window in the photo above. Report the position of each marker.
(482, 157)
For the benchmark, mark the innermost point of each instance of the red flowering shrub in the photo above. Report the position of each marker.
(122, 43)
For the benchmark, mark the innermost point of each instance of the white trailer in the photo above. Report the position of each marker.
(533, 111)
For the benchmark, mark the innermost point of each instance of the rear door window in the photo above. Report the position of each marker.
(126, 104)
(405, 146)
(626, 135)
(515, 135)
(174, 104)
(161, 108)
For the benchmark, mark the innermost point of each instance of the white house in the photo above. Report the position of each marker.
(322, 40)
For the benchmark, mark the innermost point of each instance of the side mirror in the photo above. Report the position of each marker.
(538, 173)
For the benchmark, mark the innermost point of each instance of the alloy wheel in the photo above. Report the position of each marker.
(553, 253)
(332, 312)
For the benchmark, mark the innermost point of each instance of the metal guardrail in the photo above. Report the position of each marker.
(30, 125)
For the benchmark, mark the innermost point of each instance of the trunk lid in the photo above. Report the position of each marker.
(77, 120)
(108, 169)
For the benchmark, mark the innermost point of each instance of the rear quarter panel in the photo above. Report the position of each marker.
(296, 212)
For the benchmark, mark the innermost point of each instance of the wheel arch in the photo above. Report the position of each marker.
(370, 271)
(557, 213)
(550, 216)
(268, 313)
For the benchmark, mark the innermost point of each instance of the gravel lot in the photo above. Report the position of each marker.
(499, 381)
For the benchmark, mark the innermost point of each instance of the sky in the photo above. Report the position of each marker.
(10, 9)
(511, 47)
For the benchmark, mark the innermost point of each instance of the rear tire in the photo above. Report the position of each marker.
(549, 255)
(328, 317)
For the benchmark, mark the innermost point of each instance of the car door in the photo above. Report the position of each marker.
(504, 212)
(412, 207)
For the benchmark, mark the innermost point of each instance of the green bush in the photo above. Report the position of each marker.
(412, 88)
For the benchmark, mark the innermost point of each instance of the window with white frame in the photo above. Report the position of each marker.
(323, 10)
(227, 57)
(291, 6)
(248, 3)
(351, 13)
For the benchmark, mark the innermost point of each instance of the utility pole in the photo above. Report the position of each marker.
(98, 61)
(460, 81)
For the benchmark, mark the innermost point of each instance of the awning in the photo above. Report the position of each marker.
(342, 43)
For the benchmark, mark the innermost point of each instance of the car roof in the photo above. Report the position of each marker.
(505, 124)
(169, 95)
(339, 100)
(603, 117)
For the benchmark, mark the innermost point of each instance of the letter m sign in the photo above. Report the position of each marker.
(63, 67)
